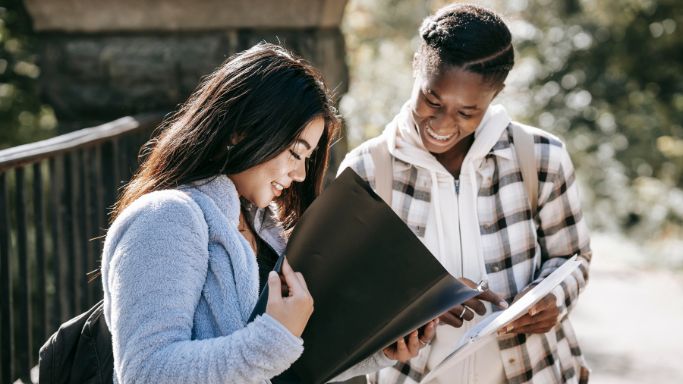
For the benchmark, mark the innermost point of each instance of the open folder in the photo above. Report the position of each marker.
(372, 280)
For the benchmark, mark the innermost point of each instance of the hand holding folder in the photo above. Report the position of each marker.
(487, 327)
(372, 279)
(289, 301)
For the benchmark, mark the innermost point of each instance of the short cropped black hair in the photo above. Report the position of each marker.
(468, 37)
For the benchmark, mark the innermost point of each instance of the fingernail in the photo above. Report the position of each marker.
(503, 304)
(508, 328)
(533, 312)
(272, 275)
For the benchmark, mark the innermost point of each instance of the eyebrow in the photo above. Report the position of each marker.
(303, 142)
(431, 92)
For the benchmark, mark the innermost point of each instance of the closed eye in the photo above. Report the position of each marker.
(429, 102)
(433, 105)
(294, 154)
(298, 157)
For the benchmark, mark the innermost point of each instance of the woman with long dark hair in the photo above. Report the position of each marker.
(181, 259)
(456, 178)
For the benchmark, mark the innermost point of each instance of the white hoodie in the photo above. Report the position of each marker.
(446, 238)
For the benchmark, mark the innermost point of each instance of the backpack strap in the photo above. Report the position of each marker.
(80, 351)
(526, 154)
(384, 174)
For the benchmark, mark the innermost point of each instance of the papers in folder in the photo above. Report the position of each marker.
(490, 324)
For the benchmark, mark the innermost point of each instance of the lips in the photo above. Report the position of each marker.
(437, 137)
(277, 188)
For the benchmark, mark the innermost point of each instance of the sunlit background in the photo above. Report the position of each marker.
(606, 76)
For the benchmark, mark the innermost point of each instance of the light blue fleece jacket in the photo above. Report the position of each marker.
(180, 282)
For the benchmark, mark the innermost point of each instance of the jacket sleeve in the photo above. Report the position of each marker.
(154, 276)
(562, 232)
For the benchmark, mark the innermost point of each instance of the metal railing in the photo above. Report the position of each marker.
(54, 199)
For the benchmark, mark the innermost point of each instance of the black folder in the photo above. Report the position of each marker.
(371, 278)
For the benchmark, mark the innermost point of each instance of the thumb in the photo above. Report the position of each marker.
(274, 287)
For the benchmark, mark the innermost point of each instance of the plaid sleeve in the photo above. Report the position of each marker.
(562, 230)
(360, 161)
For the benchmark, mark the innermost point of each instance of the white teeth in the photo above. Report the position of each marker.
(277, 186)
(438, 137)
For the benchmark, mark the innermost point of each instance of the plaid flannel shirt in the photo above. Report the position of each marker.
(518, 249)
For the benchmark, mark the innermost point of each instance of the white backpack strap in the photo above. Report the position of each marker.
(526, 154)
(384, 174)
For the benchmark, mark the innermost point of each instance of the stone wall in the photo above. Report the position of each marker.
(103, 59)
(90, 79)
(182, 15)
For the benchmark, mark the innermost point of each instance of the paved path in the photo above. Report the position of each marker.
(630, 318)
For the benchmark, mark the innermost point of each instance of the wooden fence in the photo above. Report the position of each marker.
(54, 199)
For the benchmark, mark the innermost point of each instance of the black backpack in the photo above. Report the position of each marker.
(79, 352)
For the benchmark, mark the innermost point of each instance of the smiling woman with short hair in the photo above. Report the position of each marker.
(456, 181)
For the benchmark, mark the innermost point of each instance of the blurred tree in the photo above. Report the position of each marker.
(610, 79)
(23, 118)
(380, 36)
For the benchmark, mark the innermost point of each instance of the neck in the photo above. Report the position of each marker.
(453, 158)
(247, 231)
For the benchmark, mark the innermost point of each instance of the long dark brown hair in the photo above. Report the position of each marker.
(252, 108)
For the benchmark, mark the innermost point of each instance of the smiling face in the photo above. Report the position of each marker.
(266, 181)
(448, 106)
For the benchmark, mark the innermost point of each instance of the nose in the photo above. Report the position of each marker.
(298, 173)
(441, 122)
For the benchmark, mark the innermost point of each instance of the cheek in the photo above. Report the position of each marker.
(420, 108)
(470, 125)
(277, 167)
(422, 111)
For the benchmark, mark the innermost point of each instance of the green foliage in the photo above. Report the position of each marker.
(23, 118)
(607, 77)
